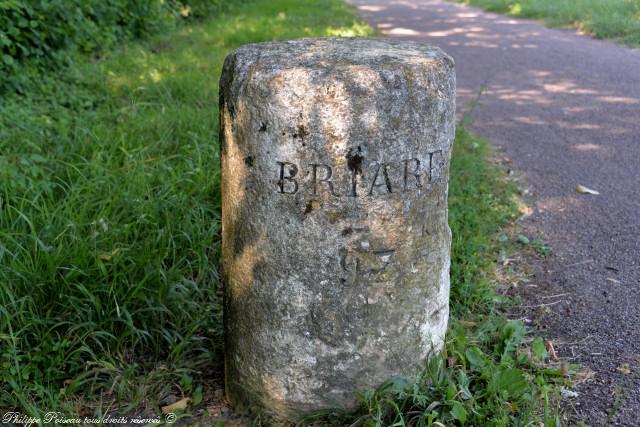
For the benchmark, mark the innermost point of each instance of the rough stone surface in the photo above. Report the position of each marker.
(336, 247)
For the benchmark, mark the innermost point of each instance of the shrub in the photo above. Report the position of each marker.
(38, 34)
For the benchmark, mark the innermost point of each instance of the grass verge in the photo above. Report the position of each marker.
(109, 237)
(611, 19)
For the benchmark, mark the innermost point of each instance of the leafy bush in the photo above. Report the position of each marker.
(35, 34)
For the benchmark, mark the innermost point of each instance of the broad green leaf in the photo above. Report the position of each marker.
(458, 412)
(476, 358)
(508, 381)
(513, 332)
(197, 395)
(538, 349)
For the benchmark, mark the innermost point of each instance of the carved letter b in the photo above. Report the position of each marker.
(282, 182)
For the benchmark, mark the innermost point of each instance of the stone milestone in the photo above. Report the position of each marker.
(335, 243)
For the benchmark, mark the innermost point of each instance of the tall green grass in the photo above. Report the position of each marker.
(614, 19)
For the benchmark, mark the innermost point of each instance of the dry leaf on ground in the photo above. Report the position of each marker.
(107, 257)
(552, 351)
(584, 190)
(585, 374)
(180, 404)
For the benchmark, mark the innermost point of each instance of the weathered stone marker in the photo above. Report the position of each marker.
(336, 247)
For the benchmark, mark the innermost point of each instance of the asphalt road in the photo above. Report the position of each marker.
(565, 109)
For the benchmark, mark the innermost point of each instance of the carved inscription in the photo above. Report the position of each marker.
(366, 264)
(287, 182)
(378, 179)
(385, 179)
(413, 172)
(325, 180)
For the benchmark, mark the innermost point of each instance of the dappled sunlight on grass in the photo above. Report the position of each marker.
(199, 50)
(356, 29)
(617, 19)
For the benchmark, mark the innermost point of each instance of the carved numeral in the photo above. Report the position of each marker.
(366, 265)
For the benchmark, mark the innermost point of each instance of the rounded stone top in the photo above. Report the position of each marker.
(331, 51)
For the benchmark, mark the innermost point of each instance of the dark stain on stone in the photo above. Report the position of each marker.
(347, 231)
(263, 127)
(301, 133)
(354, 163)
(248, 161)
(309, 207)
(354, 160)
